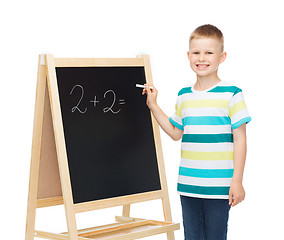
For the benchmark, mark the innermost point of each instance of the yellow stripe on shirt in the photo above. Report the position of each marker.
(216, 103)
(194, 155)
(237, 107)
(178, 111)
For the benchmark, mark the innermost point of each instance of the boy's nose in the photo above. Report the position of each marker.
(201, 57)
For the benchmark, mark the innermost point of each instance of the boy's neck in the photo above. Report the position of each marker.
(206, 82)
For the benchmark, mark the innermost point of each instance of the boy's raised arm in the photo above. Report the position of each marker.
(160, 116)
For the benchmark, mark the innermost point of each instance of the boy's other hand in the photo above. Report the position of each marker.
(236, 193)
(151, 95)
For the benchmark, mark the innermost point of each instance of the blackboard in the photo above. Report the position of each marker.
(108, 132)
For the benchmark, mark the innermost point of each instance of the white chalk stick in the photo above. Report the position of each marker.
(142, 86)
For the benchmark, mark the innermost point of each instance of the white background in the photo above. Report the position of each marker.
(254, 40)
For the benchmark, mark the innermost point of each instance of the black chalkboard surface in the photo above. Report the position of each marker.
(108, 132)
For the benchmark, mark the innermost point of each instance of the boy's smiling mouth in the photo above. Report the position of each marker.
(202, 66)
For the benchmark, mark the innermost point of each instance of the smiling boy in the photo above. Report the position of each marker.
(211, 118)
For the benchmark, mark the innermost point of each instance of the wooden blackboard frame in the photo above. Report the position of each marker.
(50, 183)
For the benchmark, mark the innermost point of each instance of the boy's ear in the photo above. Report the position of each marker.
(188, 55)
(223, 57)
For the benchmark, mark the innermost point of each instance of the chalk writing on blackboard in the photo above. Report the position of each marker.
(77, 106)
(109, 94)
(121, 101)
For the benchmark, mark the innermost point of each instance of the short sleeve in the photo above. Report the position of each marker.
(238, 111)
(176, 119)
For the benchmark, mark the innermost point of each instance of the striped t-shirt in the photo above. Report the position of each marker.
(208, 119)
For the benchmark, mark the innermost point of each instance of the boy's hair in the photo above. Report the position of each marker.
(208, 31)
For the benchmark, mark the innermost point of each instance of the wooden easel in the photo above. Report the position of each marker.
(49, 174)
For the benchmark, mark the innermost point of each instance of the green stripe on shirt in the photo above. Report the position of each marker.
(203, 190)
(221, 89)
(185, 90)
(208, 138)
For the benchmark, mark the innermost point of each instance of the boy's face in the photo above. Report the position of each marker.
(205, 56)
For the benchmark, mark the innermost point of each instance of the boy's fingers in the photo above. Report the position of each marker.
(155, 90)
(237, 200)
(231, 200)
(147, 87)
(144, 91)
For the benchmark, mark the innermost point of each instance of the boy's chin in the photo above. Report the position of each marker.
(205, 73)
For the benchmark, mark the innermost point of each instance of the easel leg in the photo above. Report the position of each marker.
(168, 215)
(126, 210)
(171, 236)
(60, 148)
(35, 155)
(31, 213)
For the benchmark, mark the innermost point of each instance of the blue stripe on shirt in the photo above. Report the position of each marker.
(176, 124)
(206, 120)
(242, 121)
(206, 173)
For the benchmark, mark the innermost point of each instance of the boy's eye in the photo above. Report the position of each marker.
(195, 53)
(209, 52)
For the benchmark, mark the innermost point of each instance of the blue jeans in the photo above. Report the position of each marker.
(205, 219)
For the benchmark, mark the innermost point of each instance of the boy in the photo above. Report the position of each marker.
(211, 119)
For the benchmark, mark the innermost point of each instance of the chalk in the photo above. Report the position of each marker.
(142, 86)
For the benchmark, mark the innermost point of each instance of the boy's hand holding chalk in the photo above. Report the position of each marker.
(151, 92)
